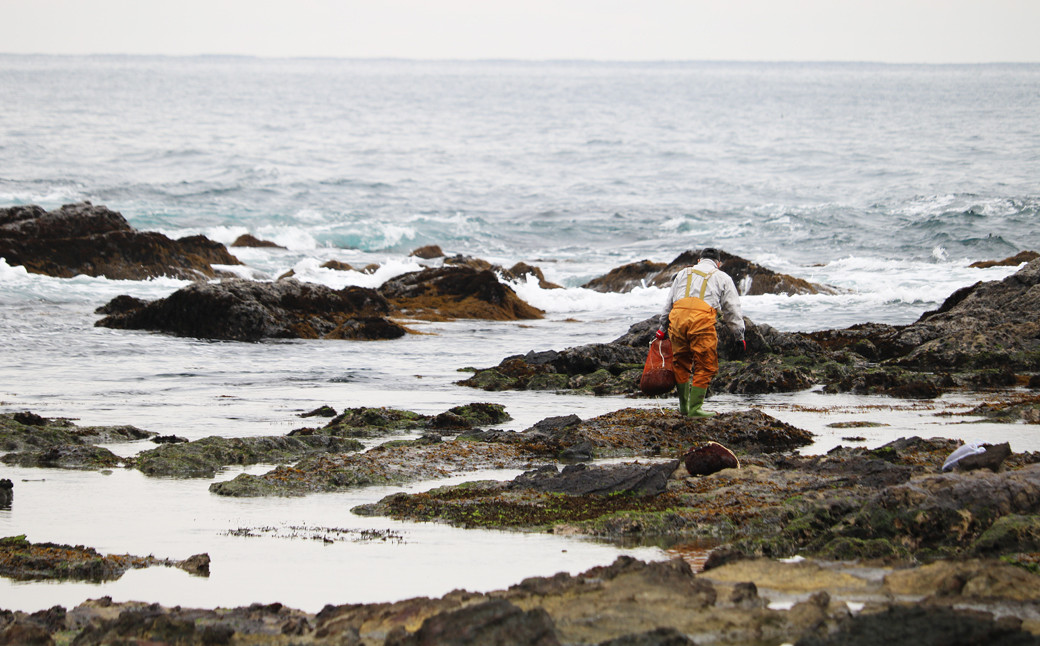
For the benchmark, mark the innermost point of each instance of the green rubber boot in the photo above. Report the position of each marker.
(695, 398)
(684, 398)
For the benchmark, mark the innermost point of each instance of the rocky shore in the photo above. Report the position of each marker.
(982, 337)
(857, 546)
(628, 602)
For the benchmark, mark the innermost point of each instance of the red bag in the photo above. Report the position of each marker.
(658, 377)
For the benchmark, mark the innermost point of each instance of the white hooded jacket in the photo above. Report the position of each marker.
(720, 294)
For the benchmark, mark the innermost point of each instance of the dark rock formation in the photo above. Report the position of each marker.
(93, 240)
(709, 458)
(489, 622)
(982, 337)
(628, 432)
(243, 310)
(204, 458)
(249, 240)
(751, 279)
(68, 456)
(926, 626)
(25, 561)
(626, 603)
(521, 270)
(428, 252)
(22, 429)
(367, 422)
(886, 503)
(454, 292)
(1017, 259)
(991, 458)
(583, 480)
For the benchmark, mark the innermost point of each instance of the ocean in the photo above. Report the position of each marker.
(885, 181)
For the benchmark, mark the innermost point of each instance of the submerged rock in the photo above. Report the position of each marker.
(751, 279)
(93, 240)
(244, 310)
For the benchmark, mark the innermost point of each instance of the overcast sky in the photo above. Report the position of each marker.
(902, 31)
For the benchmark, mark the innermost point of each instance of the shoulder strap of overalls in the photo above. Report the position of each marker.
(704, 285)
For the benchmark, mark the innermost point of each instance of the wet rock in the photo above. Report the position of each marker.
(1010, 408)
(625, 278)
(750, 278)
(709, 458)
(1011, 534)
(391, 463)
(927, 626)
(651, 432)
(249, 240)
(197, 565)
(101, 621)
(982, 337)
(67, 456)
(93, 240)
(25, 633)
(626, 602)
(655, 637)
(454, 292)
(428, 252)
(1017, 259)
(28, 432)
(927, 516)
(582, 480)
(205, 457)
(22, 560)
(243, 310)
(491, 622)
(169, 439)
(366, 422)
(521, 270)
(6, 493)
(987, 325)
(991, 458)
(321, 411)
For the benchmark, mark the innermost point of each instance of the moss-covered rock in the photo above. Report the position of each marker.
(204, 458)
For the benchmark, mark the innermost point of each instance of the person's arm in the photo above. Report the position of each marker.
(732, 314)
(667, 310)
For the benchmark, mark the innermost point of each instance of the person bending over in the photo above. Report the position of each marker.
(696, 297)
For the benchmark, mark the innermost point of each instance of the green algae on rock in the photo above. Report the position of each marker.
(368, 422)
(205, 457)
(628, 432)
(35, 441)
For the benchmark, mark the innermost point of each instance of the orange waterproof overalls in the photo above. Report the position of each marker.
(691, 329)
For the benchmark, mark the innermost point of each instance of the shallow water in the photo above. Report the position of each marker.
(882, 181)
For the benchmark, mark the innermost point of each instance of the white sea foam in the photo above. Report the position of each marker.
(578, 300)
(310, 270)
